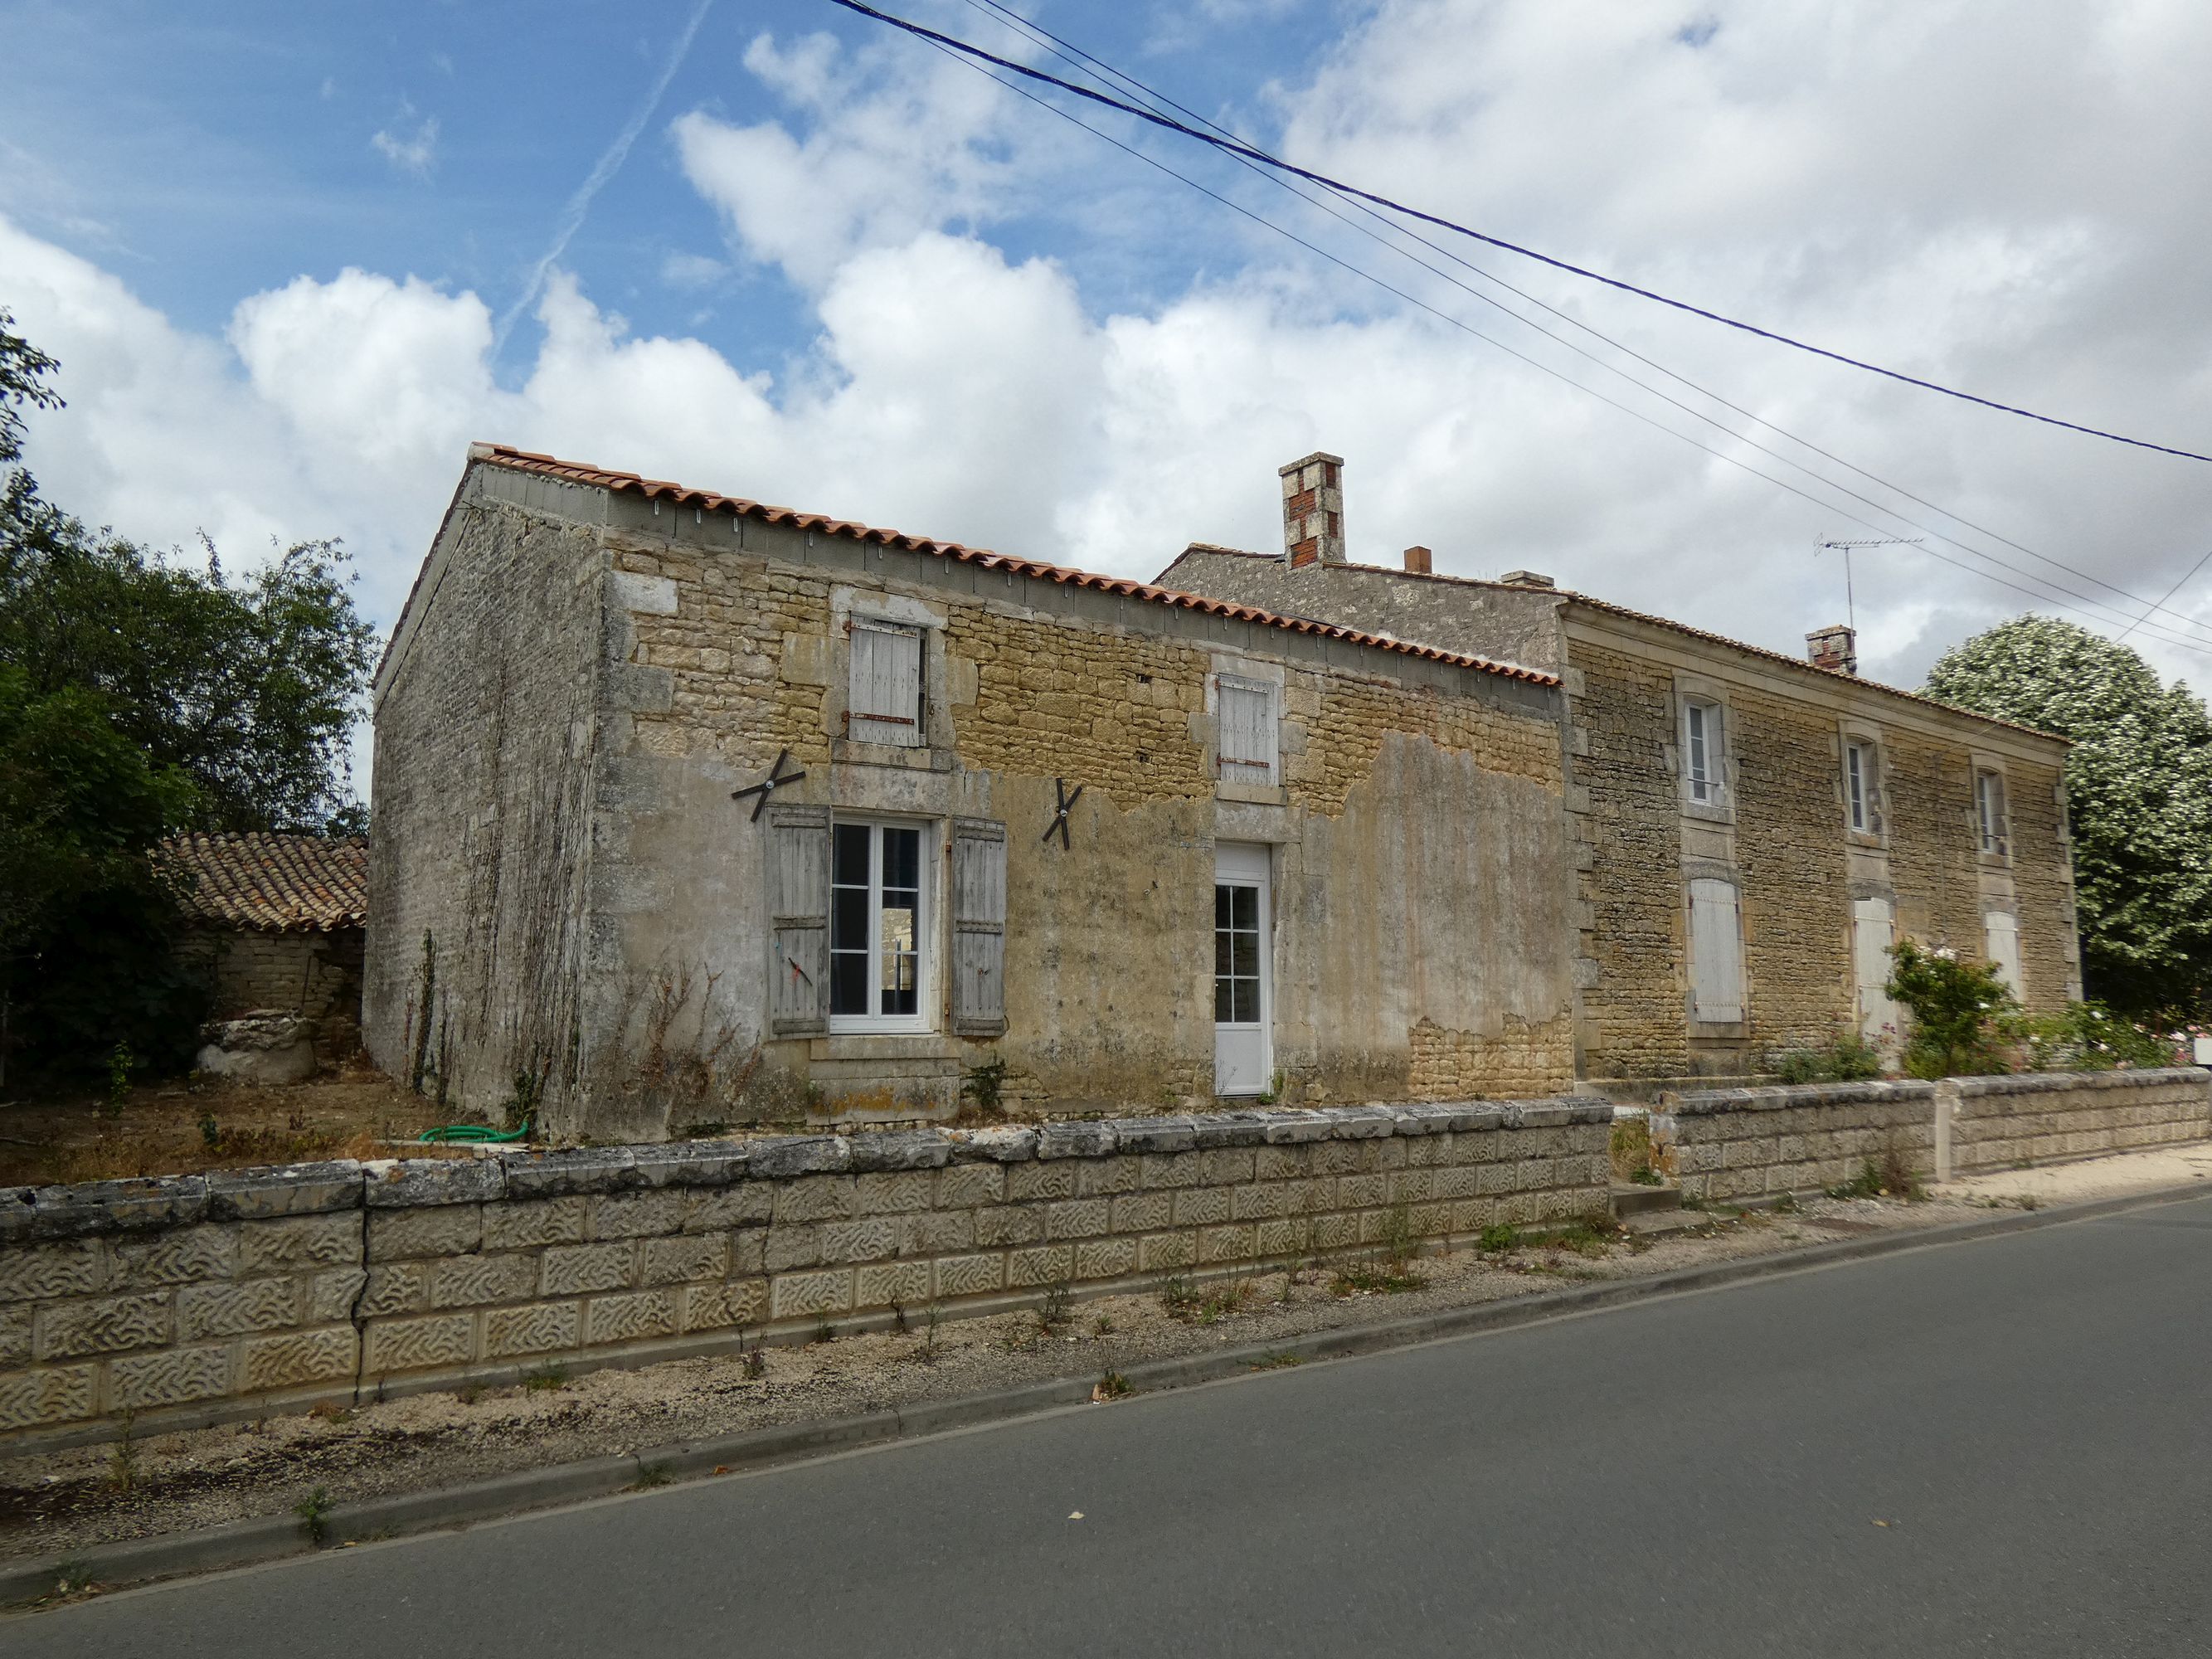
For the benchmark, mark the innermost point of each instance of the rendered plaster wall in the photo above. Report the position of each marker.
(206, 1298)
(482, 802)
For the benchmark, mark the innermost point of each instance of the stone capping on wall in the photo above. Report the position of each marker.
(38, 1214)
(1824, 1131)
(1783, 1096)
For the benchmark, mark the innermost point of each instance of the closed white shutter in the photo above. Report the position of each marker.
(1246, 716)
(1715, 952)
(884, 702)
(1872, 931)
(979, 927)
(2003, 929)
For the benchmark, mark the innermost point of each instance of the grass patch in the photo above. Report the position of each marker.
(1587, 1236)
(1276, 1361)
(1498, 1238)
(543, 1379)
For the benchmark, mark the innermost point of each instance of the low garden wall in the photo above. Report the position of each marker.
(2002, 1122)
(202, 1298)
(1760, 1142)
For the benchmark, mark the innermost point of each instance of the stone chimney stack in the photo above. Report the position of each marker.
(1313, 511)
(1418, 562)
(1836, 648)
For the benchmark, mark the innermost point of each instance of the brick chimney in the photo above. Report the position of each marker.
(1418, 561)
(1836, 648)
(1313, 511)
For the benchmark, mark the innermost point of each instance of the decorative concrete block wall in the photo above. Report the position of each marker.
(2005, 1122)
(1756, 1143)
(197, 1298)
(1759, 1143)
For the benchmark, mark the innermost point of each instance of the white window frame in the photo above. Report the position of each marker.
(1859, 784)
(924, 1018)
(1242, 768)
(1704, 752)
(907, 730)
(1990, 812)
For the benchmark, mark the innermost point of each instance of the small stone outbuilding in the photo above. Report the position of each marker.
(278, 920)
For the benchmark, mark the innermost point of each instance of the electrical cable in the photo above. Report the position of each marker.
(2168, 594)
(953, 44)
(1099, 70)
(1468, 328)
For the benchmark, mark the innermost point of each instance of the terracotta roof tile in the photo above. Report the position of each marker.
(1608, 606)
(598, 477)
(310, 884)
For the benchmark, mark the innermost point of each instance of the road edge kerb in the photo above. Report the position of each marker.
(269, 1537)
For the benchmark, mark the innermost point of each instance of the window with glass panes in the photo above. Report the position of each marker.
(877, 923)
(1701, 754)
(1236, 955)
(1858, 780)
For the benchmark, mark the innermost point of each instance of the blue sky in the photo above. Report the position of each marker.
(275, 246)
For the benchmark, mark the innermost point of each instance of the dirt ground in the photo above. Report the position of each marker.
(52, 1502)
(181, 1129)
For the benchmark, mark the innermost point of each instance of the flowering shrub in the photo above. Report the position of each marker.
(2090, 1037)
(1961, 1011)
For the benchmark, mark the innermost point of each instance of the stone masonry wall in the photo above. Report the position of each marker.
(197, 1298)
(1634, 1017)
(1759, 1143)
(2005, 1122)
(1756, 1143)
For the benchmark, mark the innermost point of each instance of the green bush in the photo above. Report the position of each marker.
(1961, 1011)
(2090, 1037)
(1849, 1058)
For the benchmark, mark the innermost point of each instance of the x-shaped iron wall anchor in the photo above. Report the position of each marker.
(1066, 803)
(768, 786)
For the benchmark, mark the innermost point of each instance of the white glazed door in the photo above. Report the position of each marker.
(1243, 999)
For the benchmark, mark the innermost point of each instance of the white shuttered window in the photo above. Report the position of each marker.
(1715, 952)
(1702, 765)
(2002, 930)
(1248, 746)
(884, 702)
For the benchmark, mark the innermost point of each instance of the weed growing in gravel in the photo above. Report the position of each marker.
(1112, 1386)
(1398, 1235)
(1059, 1299)
(1102, 1326)
(1887, 1177)
(1375, 1278)
(543, 1379)
(315, 1510)
(1193, 1307)
(755, 1363)
(123, 1459)
(1589, 1236)
(1498, 1238)
(650, 1476)
(824, 1330)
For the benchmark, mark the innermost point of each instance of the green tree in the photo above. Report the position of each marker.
(88, 921)
(140, 695)
(2139, 792)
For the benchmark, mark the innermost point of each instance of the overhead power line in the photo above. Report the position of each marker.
(1099, 70)
(1229, 146)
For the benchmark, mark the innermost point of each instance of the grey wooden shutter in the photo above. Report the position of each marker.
(1245, 723)
(884, 702)
(798, 920)
(2003, 932)
(1715, 952)
(979, 927)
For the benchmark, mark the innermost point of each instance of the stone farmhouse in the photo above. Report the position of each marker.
(1751, 832)
(692, 811)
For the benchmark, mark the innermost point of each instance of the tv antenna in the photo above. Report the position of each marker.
(1851, 601)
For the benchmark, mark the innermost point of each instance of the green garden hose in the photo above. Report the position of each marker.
(475, 1134)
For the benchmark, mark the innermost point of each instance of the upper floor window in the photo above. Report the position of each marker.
(1248, 743)
(1989, 813)
(1703, 768)
(1858, 785)
(884, 702)
(878, 926)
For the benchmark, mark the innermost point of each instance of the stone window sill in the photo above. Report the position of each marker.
(1705, 813)
(1255, 794)
(846, 752)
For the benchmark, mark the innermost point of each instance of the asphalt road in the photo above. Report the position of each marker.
(2000, 1447)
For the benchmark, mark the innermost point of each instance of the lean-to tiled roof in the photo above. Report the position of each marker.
(575, 472)
(285, 883)
(1608, 607)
